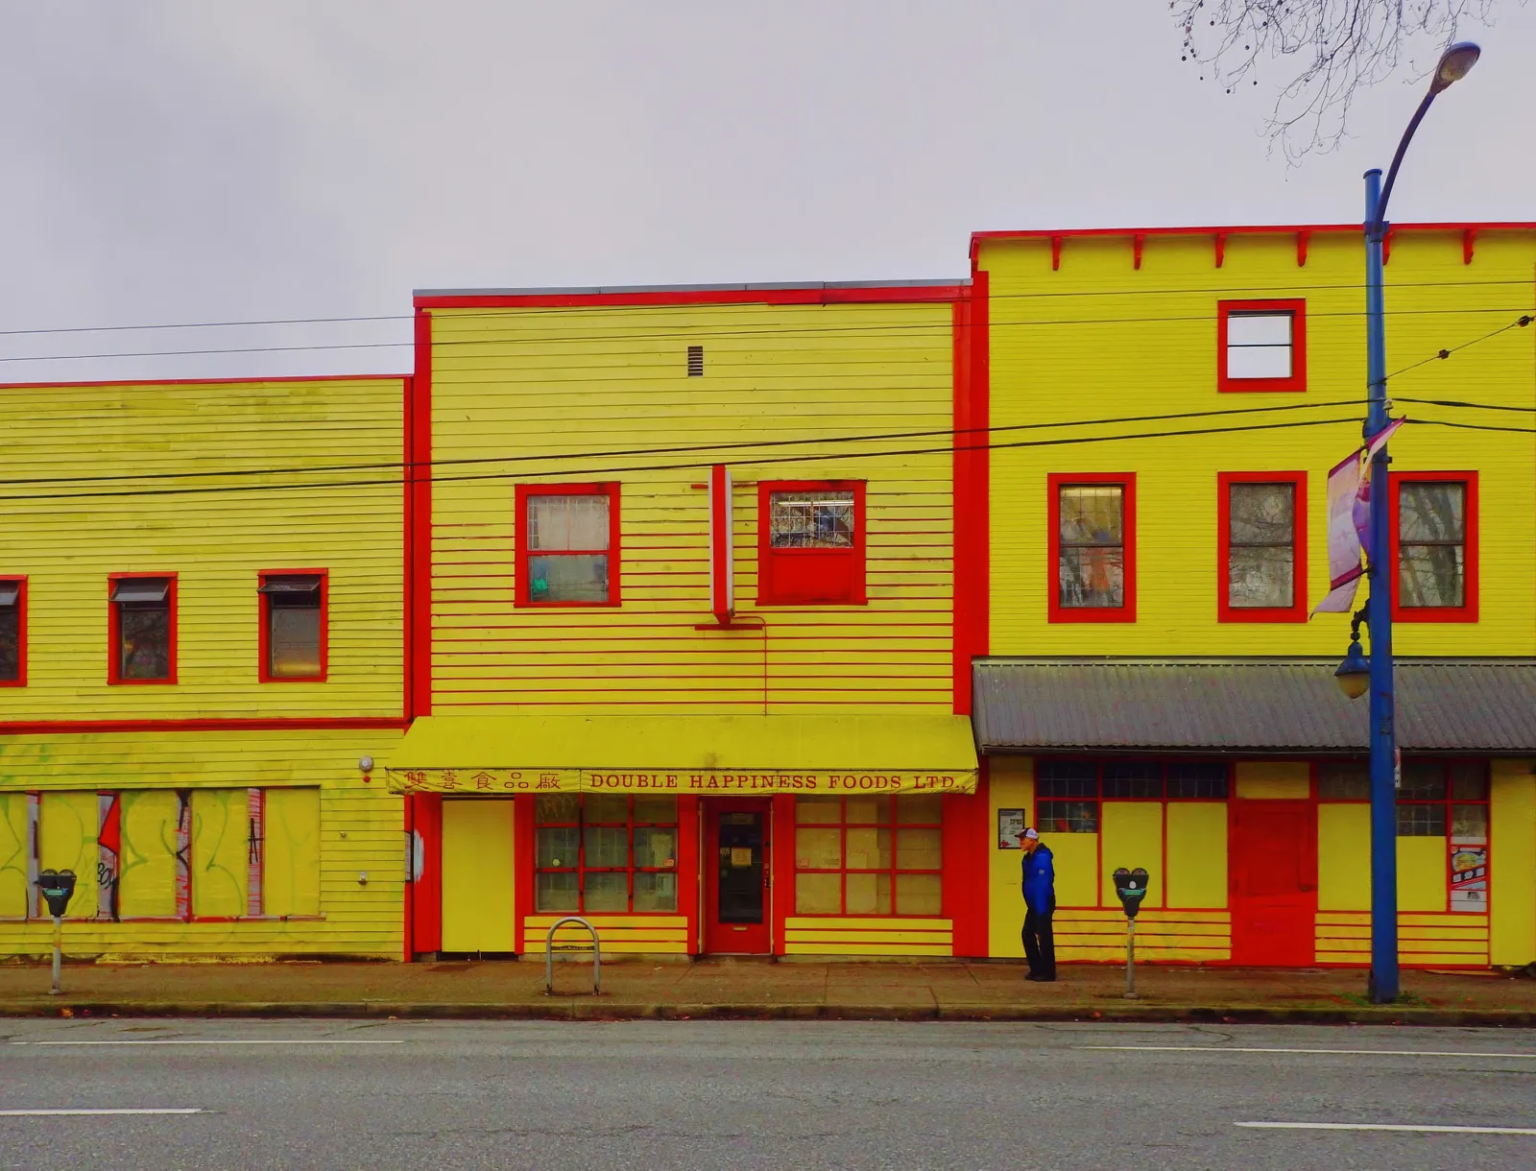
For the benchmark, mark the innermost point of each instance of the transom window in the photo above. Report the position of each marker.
(143, 630)
(1262, 544)
(293, 625)
(1432, 544)
(1068, 793)
(1092, 546)
(605, 852)
(869, 855)
(1262, 345)
(567, 545)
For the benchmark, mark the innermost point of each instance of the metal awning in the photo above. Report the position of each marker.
(1249, 705)
(141, 589)
(9, 592)
(302, 585)
(702, 755)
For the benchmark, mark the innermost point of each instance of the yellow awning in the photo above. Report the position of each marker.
(707, 755)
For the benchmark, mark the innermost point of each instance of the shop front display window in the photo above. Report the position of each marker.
(869, 855)
(599, 852)
(1068, 792)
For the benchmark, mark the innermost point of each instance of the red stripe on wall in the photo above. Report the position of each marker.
(420, 470)
(972, 412)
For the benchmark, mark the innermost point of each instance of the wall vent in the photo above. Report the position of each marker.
(695, 361)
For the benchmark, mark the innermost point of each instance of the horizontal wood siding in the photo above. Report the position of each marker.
(818, 935)
(1424, 940)
(1188, 936)
(618, 934)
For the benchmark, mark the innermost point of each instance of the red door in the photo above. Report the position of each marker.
(1273, 882)
(736, 876)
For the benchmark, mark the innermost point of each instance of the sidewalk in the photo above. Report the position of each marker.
(942, 990)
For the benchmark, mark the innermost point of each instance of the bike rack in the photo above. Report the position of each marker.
(549, 955)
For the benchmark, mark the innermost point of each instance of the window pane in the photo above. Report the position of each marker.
(1432, 512)
(1066, 778)
(1133, 778)
(606, 892)
(1260, 577)
(1198, 779)
(1259, 329)
(605, 808)
(10, 642)
(655, 892)
(1344, 780)
(1423, 780)
(1069, 817)
(919, 849)
(1092, 514)
(656, 847)
(656, 810)
(1469, 782)
(556, 847)
(1261, 514)
(818, 810)
(1421, 821)
(868, 849)
(549, 807)
(1092, 577)
(867, 810)
(568, 522)
(145, 649)
(570, 577)
(811, 520)
(1431, 575)
(919, 894)
(868, 894)
(818, 894)
(293, 640)
(607, 846)
(1258, 361)
(920, 809)
(1469, 821)
(818, 849)
(556, 892)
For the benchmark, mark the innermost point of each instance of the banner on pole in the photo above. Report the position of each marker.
(1349, 522)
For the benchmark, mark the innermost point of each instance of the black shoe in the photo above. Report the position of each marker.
(1032, 976)
(1044, 979)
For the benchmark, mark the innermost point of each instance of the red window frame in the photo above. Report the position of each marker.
(581, 869)
(1298, 379)
(520, 540)
(851, 562)
(264, 633)
(842, 825)
(21, 631)
(114, 632)
(1297, 610)
(1054, 482)
(1468, 610)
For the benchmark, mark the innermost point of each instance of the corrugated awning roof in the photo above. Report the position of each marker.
(1251, 705)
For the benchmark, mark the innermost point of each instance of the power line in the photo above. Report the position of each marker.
(1519, 323)
(1477, 426)
(1452, 402)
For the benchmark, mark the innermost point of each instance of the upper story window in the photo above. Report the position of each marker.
(1434, 546)
(1261, 345)
(567, 545)
(811, 542)
(143, 629)
(1262, 546)
(1092, 547)
(293, 625)
(13, 631)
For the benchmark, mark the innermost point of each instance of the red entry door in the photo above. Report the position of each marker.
(736, 876)
(1273, 881)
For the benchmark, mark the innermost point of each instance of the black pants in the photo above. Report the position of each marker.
(1039, 945)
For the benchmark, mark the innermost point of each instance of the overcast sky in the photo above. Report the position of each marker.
(207, 160)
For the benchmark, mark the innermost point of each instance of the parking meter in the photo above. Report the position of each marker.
(1131, 886)
(57, 888)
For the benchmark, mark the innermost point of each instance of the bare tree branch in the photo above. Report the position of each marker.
(1330, 50)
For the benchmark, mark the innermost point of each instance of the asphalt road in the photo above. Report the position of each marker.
(646, 1096)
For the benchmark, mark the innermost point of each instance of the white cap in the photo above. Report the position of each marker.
(1031, 833)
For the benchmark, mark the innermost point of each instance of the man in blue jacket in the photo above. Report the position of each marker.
(1039, 906)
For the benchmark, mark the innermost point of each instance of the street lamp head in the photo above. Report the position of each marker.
(1455, 63)
(1354, 673)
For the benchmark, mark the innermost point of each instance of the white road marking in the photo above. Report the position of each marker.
(1388, 1126)
(207, 1041)
(59, 1113)
(1337, 1052)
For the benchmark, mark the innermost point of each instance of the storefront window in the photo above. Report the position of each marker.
(869, 855)
(598, 852)
(1068, 792)
(1433, 798)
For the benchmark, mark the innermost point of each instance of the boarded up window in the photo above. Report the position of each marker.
(15, 852)
(147, 885)
(220, 852)
(292, 866)
(66, 826)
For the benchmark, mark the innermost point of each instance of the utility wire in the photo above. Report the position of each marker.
(1452, 402)
(1518, 323)
(1476, 426)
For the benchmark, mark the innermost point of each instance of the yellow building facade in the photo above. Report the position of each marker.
(202, 616)
(1152, 570)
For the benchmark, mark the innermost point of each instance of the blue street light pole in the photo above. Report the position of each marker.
(1383, 987)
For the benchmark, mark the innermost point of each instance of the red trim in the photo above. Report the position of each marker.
(971, 507)
(418, 574)
(521, 494)
(427, 891)
(770, 591)
(1469, 610)
(1221, 249)
(1057, 612)
(1386, 246)
(1468, 241)
(782, 846)
(967, 881)
(1297, 610)
(408, 824)
(720, 566)
(1297, 308)
(1303, 239)
(264, 627)
(524, 857)
(114, 633)
(1055, 254)
(1137, 242)
(881, 294)
(203, 381)
(21, 633)
(212, 724)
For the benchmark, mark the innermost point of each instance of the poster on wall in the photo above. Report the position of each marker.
(1469, 874)
(1010, 824)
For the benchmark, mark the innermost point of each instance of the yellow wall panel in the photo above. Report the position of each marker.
(1273, 780)
(1076, 859)
(221, 843)
(147, 864)
(1343, 857)
(1512, 863)
(15, 852)
(291, 866)
(477, 875)
(66, 840)
(1422, 880)
(1132, 833)
(1010, 785)
(1197, 853)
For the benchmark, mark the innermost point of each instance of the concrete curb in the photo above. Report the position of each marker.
(589, 1009)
